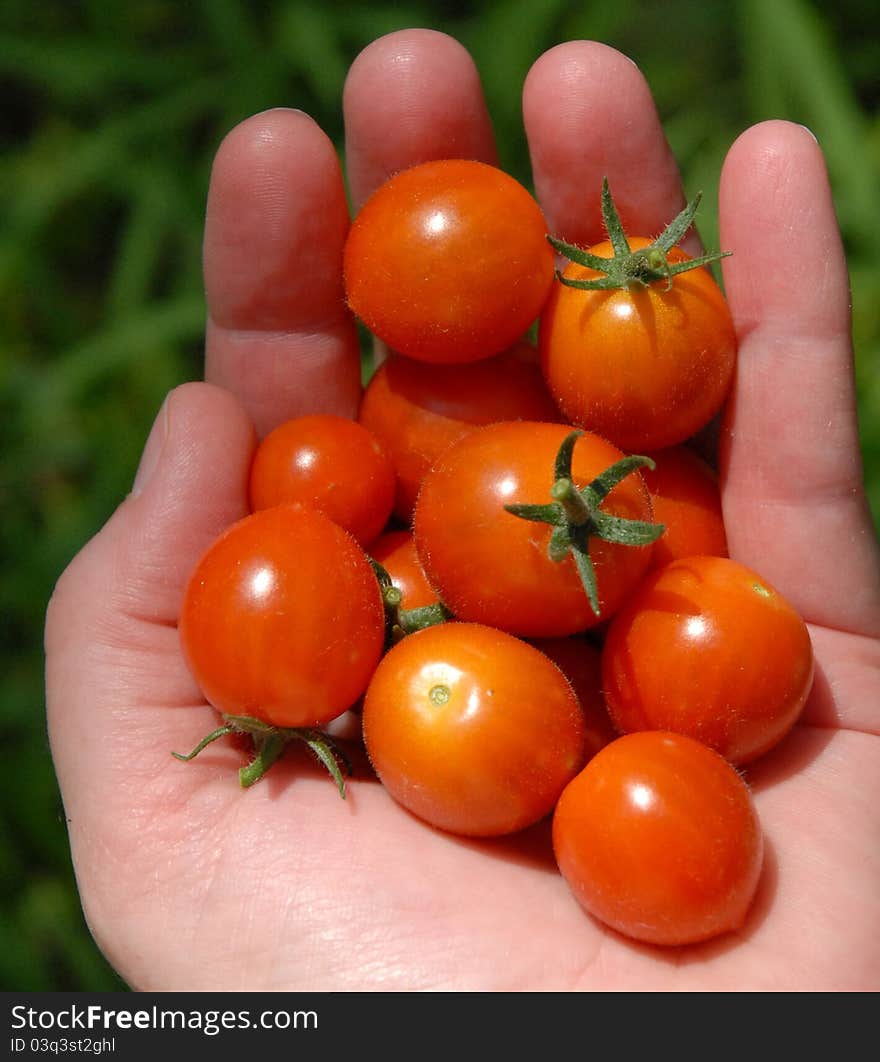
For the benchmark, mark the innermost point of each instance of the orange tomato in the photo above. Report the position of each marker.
(472, 730)
(331, 464)
(581, 663)
(417, 410)
(282, 619)
(489, 566)
(708, 648)
(659, 839)
(643, 366)
(685, 496)
(448, 261)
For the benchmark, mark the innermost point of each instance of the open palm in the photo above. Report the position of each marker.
(187, 881)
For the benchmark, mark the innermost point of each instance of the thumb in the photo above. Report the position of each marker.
(113, 664)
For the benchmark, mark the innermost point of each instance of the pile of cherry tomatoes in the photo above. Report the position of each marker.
(513, 564)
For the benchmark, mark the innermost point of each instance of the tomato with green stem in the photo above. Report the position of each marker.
(533, 528)
(448, 262)
(708, 648)
(658, 838)
(636, 341)
(472, 730)
(282, 625)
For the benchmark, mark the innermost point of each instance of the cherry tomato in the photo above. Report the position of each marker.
(581, 663)
(448, 261)
(472, 730)
(489, 566)
(645, 367)
(417, 410)
(396, 552)
(708, 648)
(282, 619)
(328, 463)
(659, 839)
(684, 492)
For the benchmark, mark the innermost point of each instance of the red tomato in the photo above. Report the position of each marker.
(489, 566)
(645, 367)
(396, 552)
(472, 730)
(685, 496)
(581, 663)
(707, 648)
(328, 463)
(448, 261)
(417, 410)
(659, 839)
(282, 619)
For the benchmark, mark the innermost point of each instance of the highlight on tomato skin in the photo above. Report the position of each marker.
(706, 647)
(329, 463)
(417, 410)
(658, 838)
(282, 619)
(472, 730)
(448, 261)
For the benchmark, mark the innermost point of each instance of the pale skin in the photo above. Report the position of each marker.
(188, 881)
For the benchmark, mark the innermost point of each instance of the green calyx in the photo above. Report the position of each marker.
(269, 743)
(402, 621)
(576, 516)
(628, 268)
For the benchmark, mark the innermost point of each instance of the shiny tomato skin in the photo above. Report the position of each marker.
(396, 552)
(706, 647)
(417, 410)
(658, 838)
(282, 619)
(448, 261)
(489, 566)
(581, 663)
(472, 730)
(686, 499)
(330, 463)
(644, 367)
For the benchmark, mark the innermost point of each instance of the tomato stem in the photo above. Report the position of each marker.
(576, 510)
(576, 516)
(268, 749)
(632, 269)
(221, 731)
(270, 742)
(402, 621)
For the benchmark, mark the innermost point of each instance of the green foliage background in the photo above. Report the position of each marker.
(111, 116)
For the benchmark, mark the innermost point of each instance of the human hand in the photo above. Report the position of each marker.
(187, 881)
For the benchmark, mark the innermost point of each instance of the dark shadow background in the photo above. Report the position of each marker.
(110, 117)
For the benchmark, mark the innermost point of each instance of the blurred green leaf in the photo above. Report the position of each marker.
(793, 71)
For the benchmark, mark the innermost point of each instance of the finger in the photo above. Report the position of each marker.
(112, 646)
(119, 697)
(279, 335)
(589, 114)
(794, 502)
(410, 97)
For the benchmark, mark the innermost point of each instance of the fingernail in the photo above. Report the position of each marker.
(152, 450)
(807, 129)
